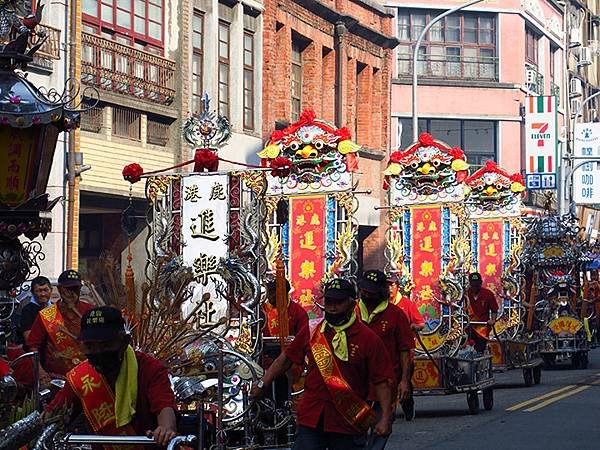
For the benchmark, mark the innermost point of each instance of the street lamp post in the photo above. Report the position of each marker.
(415, 114)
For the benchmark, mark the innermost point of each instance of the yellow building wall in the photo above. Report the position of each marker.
(108, 158)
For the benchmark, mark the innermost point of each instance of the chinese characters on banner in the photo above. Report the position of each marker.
(307, 247)
(14, 164)
(204, 230)
(426, 248)
(490, 255)
(586, 177)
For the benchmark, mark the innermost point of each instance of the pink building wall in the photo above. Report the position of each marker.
(499, 101)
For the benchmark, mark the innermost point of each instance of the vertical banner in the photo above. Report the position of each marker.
(541, 138)
(426, 245)
(587, 144)
(490, 254)
(16, 164)
(204, 231)
(307, 249)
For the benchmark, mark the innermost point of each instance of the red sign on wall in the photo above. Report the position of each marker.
(490, 254)
(307, 247)
(426, 245)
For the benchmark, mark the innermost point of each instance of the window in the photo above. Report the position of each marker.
(476, 137)
(126, 123)
(249, 80)
(459, 46)
(131, 22)
(531, 46)
(224, 68)
(197, 51)
(296, 81)
(157, 131)
(91, 117)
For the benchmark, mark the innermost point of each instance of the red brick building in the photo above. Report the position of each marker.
(335, 57)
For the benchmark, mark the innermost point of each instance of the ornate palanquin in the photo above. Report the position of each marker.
(494, 209)
(428, 238)
(311, 204)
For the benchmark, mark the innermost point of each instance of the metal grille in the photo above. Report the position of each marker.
(158, 132)
(126, 123)
(92, 118)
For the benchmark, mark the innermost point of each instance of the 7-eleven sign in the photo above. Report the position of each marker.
(540, 134)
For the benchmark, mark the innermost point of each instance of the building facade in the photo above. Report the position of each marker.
(335, 57)
(475, 68)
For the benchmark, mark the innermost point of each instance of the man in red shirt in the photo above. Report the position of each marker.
(345, 359)
(482, 307)
(121, 392)
(55, 329)
(416, 324)
(391, 324)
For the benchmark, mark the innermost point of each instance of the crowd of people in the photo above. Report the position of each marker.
(357, 360)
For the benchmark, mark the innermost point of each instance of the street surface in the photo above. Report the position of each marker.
(563, 412)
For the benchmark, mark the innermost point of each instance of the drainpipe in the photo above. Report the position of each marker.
(71, 136)
(338, 46)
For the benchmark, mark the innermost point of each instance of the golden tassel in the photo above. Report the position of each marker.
(281, 302)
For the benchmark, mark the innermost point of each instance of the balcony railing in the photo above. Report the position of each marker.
(51, 48)
(534, 80)
(555, 90)
(451, 67)
(115, 67)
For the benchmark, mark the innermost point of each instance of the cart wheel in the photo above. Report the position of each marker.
(537, 374)
(473, 402)
(549, 361)
(488, 399)
(528, 377)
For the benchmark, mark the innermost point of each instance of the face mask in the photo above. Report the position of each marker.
(337, 319)
(106, 362)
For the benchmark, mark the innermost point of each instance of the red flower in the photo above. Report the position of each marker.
(426, 139)
(517, 178)
(281, 167)
(132, 172)
(308, 115)
(343, 133)
(396, 157)
(205, 159)
(457, 153)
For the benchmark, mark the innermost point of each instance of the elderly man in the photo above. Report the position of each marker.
(121, 391)
(55, 329)
(345, 358)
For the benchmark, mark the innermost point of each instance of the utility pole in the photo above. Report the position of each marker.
(432, 22)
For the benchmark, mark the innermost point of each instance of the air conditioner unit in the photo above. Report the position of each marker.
(575, 37)
(575, 106)
(594, 47)
(585, 56)
(575, 88)
(530, 76)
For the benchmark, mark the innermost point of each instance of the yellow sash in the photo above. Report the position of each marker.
(67, 348)
(351, 407)
(98, 402)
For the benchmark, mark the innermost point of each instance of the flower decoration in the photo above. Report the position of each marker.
(281, 167)
(426, 139)
(205, 159)
(14, 99)
(132, 172)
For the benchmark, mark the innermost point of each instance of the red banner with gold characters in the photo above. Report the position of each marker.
(490, 254)
(307, 249)
(16, 164)
(426, 248)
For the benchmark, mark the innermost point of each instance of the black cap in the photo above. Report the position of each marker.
(69, 278)
(373, 281)
(475, 277)
(338, 288)
(102, 324)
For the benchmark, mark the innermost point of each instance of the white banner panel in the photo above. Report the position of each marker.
(204, 232)
(587, 177)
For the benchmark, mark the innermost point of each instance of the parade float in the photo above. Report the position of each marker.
(494, 209)
(428, 247)
(555, 257)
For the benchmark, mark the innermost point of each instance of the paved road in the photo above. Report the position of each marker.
(563, 412)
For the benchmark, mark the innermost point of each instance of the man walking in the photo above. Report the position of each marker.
(483, 308)
(345, 359)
